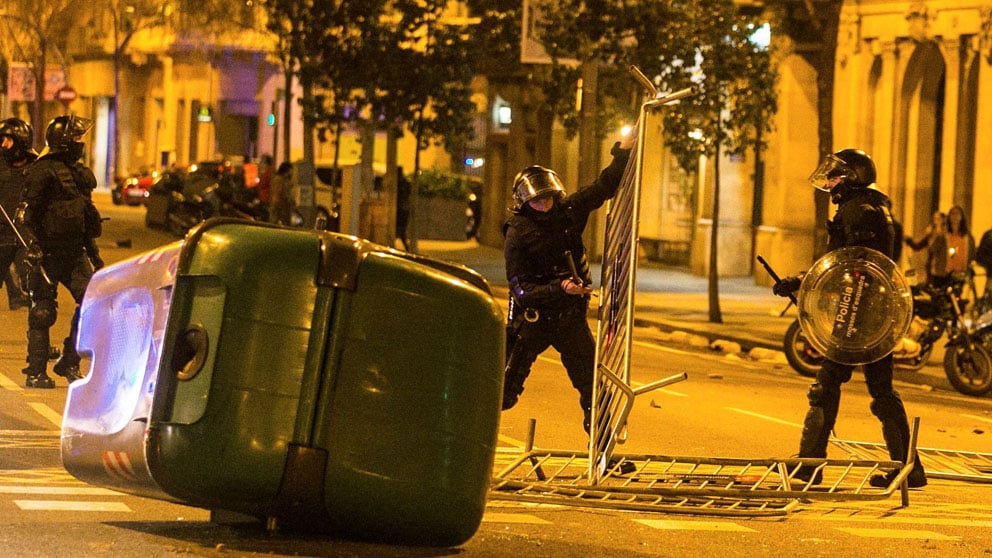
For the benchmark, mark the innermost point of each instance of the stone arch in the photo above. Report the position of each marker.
(919, 142)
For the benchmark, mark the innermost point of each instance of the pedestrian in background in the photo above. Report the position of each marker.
(934, 231)
(548, 299)
(283, 191)
(58, 216)
(862, 219)
(955, 250)
(403, 189)
(15, 155)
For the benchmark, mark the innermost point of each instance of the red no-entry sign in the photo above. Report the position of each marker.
(65, 96)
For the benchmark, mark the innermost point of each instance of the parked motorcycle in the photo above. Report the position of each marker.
(178, 202)
(967, 361)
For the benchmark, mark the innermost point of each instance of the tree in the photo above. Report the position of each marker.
(36, 29)
(129, 17)
(813, 25)
(701, 43)
(383, 64)
(295, 26)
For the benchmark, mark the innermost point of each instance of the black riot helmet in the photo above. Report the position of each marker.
(841, 171)
(535, 182)
(21, 133)
(64, 132)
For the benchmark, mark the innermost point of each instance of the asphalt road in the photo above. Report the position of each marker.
(727, 407)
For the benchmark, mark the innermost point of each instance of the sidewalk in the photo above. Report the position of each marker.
(668, 299)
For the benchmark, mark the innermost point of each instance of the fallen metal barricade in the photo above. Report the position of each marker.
(687, 484)
(945, 464)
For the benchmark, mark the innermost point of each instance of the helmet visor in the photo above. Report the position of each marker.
(830, 173)
(538, 186)
(77, 126)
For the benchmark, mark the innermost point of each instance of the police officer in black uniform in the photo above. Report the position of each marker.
(15, 155)
(58, 215)
(862, 219)
(548, 303)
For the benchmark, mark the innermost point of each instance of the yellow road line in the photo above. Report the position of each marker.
(7, 383)
(496, 517)
(683, 525)
(60, 490)
(47, 412)
(511, 441)
(976, 417)
(66, 505)
(764, 417)
(897, 534)
(926, 517)
(662, 390)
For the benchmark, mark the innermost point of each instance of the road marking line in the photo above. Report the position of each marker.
(64, 505)
(897, 534)
(47, 412)
(511, 441)
(976, 417)
(662, 390)
(901, 520)
(497, 517)
(765, 417)
(60, 490)
(7, 383)
(739, 362)
(665, 349)
(673, 525)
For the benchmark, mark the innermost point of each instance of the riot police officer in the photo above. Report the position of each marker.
(548, 302)
(58, 215)
(862, 219)
(15, 155)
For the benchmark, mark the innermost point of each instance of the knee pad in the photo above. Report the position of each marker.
(888, 406)
(815, 395)
(42, 314)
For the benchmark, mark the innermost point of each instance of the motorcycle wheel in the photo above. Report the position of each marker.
(801, 355)
(970, 372)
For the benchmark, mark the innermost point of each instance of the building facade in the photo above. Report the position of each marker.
(913, 88)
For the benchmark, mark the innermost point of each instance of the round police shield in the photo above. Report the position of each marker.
(854, 305)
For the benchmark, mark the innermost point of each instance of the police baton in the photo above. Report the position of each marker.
(775, 276)
(24, 243)
(575, 271)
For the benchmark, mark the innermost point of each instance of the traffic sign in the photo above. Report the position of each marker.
(66, 95)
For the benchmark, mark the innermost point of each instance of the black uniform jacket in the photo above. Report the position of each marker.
(862, 219)
(536, 243)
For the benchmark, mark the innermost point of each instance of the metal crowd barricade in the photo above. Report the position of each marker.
(945, 464)
(612, 395)
(690, 484)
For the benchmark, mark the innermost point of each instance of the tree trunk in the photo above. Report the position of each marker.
(287, 111)
(714, 277)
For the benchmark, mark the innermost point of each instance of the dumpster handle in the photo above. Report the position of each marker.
(190, 352)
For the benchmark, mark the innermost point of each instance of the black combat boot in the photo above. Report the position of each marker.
(895, 431)
(68, 369)
(37, 379)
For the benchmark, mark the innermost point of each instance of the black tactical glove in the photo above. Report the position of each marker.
(94, 256)
(33, 255)
(787, 285)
